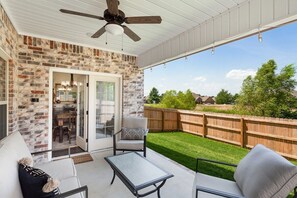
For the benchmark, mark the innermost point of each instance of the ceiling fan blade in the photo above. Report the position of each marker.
(113, 6)
(81, 14)
(131, 34)
(143, 19)
(99, 32)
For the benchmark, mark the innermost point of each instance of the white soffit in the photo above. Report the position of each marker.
(41, 18)
(238, 22)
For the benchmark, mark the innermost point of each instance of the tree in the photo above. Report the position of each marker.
(224, 97)
(178, 100)
(234, 98)
(169, 99)
(188, 100)
(154, 97)
(268, 93)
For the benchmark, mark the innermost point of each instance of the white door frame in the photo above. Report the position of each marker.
(73, 71)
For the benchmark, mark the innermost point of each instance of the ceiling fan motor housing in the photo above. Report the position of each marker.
(116, 19)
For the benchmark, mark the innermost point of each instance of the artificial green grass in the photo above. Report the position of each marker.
(184, 148)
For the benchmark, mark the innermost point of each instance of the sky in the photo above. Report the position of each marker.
(206, 73)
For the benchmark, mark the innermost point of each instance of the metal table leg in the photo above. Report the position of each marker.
(112, 178)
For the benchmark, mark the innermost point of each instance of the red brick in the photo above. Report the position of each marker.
(25, 40)
(30, 40)
(48, 64)
(35, 48)
(37, 92)
(23, 76)
(41, 146)
(52, 44)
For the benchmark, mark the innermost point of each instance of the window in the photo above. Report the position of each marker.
(3, 96)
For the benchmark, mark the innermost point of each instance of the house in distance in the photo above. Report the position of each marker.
(203, 99)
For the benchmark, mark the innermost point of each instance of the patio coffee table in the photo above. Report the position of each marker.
(137, 173)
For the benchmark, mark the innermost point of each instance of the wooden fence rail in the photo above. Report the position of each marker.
(245, 131)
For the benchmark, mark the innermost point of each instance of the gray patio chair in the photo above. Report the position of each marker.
(262, 173)
(132, 136)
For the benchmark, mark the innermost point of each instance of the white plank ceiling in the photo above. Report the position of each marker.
(41, 18)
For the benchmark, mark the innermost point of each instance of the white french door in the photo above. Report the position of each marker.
(104, 110)
(82, 117)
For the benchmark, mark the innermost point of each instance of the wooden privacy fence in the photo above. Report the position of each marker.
(245, 131)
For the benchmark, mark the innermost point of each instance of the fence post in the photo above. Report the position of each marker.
(204, 126)
(242, 132)
(178, 121)
(163, 120)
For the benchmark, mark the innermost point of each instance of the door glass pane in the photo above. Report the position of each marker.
(3, 123)
(81, 111)
(105, 109)
(3, 99)
(2, 80)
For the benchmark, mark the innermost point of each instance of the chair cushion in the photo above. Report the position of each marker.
(263, 173)
(133, 133)
(130, 144)
(32, 181)
(15, 142)
(70, 183)
(9, 180)
(60, 169)
(135, 122)
(215, 183)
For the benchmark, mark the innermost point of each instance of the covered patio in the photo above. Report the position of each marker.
(38, 40)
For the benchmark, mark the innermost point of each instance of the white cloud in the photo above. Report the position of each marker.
(239, 74)
(200, 78)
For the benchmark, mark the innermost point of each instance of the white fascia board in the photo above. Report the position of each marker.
(244, 20)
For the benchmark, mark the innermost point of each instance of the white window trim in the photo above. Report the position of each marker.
(6, 57)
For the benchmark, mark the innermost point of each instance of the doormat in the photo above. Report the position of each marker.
(82, 158)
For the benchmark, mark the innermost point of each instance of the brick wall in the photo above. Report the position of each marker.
(29, 76)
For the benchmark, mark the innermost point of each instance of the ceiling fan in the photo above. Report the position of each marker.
(115, 19)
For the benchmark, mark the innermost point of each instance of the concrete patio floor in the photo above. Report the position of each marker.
(98, 174)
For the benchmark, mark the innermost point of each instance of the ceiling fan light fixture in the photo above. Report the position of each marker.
(114, 29)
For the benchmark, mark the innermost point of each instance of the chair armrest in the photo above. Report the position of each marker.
(117, 133)
(216, 192)
(74, 191)
(146, 132)
(213, 161)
